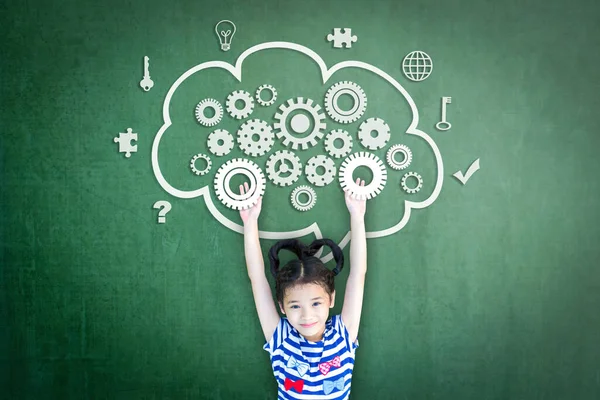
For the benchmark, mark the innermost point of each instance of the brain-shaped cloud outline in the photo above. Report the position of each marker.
(326, 73)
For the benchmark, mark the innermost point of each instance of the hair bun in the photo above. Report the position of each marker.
(303, 252)
(338, 254)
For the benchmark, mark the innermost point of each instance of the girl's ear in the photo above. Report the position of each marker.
(332, 299)
(281, 308)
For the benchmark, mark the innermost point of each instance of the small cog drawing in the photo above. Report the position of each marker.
(416, 188)
(255, 137)
(303, 205)
(312, 171)
(238, 201)
(370, 161)
(391, 154)
(193, 164)
(248, 104)
(278, 170)
(209, 121)
(268, 102)
(299, 123)
(338, 152)
(345, 88)
(374, 124)
(220, 142)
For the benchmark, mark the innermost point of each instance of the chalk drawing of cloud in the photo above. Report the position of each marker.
(326, 73)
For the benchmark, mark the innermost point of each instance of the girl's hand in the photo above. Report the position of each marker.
(355, 207)
(252, 213)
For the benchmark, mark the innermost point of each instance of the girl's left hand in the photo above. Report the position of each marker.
(355, 206)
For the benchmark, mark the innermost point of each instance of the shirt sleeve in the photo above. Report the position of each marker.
(281, 333)
(343, 330)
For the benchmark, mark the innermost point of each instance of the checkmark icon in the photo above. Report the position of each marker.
(470, 171)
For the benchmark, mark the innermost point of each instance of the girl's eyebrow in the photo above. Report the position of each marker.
(296, 301)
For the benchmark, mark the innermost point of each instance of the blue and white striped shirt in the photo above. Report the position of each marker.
(312, 370)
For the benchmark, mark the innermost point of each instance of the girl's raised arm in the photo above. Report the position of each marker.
(355, 286)
(263, 299)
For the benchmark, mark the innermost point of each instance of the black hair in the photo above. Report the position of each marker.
(307, 268)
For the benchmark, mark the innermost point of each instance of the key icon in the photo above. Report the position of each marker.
(146, 83)
(444, 125)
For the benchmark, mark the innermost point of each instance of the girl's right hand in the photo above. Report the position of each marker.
(252, 213)
(355, 207)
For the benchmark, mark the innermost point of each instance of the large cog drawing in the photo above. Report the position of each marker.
(238, 201)
(288, 137)
(374, 164)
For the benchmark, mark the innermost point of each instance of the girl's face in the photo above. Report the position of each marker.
(307, 309)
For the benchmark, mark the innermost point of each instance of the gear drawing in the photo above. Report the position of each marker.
(338, 134)
(267, 102)
(370, 161)
(416, 188)
(307, 205)
(255, 137)
(278, 170)
(395, 149)
(238, 201)
(312, 172)
(220, 142)
(232, 108)
(358, 96)
(193, 164)
(288, 137)
(209, 121)
(374, 124)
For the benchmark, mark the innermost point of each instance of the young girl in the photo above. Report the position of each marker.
(312, 355)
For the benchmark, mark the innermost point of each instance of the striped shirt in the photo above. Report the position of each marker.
(312, 370)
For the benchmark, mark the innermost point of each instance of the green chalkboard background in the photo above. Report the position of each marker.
(493, 292)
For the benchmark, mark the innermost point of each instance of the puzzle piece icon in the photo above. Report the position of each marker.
(124, 141)
(338, 38)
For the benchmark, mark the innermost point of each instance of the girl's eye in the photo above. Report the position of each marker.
(317, 303)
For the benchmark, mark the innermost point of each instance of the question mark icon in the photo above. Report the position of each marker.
(164, 207)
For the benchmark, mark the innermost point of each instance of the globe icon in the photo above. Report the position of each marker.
(417, 66)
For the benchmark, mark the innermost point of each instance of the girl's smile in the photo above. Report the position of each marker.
(307, 309)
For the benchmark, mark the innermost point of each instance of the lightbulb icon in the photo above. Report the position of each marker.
(225, 33)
